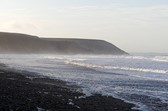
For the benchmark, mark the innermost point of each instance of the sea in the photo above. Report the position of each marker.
(141, 79)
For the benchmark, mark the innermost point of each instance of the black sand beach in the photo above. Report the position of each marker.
(25, 92)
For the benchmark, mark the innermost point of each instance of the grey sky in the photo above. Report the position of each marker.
(133, 25)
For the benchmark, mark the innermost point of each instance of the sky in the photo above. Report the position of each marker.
(132, 25)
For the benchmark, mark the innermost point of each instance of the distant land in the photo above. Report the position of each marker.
(26, 44)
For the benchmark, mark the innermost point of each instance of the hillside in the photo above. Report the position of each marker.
(83, 46)
(22, 43)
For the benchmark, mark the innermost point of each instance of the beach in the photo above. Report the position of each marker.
(83, 83)
(30, 92)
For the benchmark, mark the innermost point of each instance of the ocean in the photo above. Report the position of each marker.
(141, 79)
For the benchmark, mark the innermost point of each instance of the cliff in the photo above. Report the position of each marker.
(22, 43)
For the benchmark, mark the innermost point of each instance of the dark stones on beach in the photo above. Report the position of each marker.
(19, 93)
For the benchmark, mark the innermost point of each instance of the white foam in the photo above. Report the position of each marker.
(161, 58)
(105, 68)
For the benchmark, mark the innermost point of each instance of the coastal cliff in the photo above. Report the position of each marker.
(22, 43)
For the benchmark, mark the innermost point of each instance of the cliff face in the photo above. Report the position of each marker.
(22, 43)
(83, 46)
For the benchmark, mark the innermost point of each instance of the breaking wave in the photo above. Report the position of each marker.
(117, 68)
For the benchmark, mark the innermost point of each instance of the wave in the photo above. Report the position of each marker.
(150, 58)
(160, 58)
(116, 67)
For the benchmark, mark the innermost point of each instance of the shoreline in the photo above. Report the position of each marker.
(20, 91)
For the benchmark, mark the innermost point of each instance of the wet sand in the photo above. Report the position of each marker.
(28, 92)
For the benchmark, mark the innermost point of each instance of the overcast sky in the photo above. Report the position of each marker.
(132, 25)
